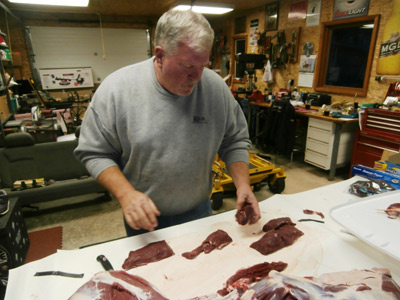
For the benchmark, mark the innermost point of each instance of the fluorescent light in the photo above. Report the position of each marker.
(205, 7)
(54, 2)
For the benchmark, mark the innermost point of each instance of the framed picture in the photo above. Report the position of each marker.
(271, 16)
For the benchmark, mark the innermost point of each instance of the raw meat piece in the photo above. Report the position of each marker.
(153, 252)
(216, 240)
(242, 278)
(245, 215)
(277, 239)
(277, 223)
(393, 211)
(117, 285)
(312, 212)
(355, 285)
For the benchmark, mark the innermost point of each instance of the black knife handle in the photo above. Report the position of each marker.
(105, 262)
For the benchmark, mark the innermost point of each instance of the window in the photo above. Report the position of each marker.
(346, 53)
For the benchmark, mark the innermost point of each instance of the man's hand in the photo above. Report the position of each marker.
(245, 196)
(139, 211)
(239, 171)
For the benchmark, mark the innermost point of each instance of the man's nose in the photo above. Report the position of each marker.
(195, 74)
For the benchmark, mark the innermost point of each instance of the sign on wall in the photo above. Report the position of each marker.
(350, 9)
(73, 78)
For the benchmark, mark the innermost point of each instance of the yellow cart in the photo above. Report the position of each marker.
(261, 171)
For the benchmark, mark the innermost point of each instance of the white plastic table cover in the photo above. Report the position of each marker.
(323, 248)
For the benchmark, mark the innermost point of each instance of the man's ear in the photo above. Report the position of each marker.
(159, 55)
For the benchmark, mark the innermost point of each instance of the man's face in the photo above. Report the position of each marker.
(180, 72)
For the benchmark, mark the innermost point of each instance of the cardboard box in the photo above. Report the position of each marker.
(387, 166)
(373, 174)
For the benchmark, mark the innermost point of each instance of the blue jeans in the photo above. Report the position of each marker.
(202, 211)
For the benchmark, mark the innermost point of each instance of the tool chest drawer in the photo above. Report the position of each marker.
(380, 131)
(321, 125)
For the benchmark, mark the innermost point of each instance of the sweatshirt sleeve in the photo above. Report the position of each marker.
(98, 148)
(236, 142)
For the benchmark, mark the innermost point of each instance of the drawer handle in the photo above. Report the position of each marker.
(315, 140)
(319, 129)
(316, 152)
(375, 146)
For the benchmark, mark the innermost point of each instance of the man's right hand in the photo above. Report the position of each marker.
(139, 210)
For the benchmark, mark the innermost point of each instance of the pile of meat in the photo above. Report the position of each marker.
(280, 233)
(117, 285)
(355, 285)
(261, 281)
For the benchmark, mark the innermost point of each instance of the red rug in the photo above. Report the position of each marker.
(44, 243)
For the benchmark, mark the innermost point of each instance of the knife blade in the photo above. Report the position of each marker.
(59, 273)
(105, 262)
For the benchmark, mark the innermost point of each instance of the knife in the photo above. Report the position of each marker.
(59, 273)
(105, 263)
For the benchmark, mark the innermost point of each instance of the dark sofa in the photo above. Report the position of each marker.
(22, 159)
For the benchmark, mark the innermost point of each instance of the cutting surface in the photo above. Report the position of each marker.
(323, 248)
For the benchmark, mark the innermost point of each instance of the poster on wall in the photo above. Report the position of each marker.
(72, 78)
(307, 67)
(254, 32)
(297, 11)
(350, 9)
(313, 12)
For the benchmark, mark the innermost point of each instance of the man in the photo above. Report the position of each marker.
(152, 130)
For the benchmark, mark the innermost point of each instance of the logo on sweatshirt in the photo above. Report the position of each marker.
(199, 120)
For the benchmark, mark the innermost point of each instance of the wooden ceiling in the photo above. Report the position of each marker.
(134, 11)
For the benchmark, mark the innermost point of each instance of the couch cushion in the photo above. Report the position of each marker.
(18, 139)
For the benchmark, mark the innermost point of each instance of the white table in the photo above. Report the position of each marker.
(323, 248)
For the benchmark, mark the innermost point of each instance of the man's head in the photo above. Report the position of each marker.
(183, 43)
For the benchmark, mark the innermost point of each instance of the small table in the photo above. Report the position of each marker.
(308, 113)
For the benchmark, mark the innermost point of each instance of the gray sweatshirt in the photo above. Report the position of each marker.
(163, 143)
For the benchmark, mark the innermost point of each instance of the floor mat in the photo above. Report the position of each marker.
(44, 243)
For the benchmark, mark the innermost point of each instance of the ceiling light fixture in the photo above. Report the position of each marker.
(205, 7)
(82, 3)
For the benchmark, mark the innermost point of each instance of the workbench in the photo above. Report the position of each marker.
(337, 127)
(323, 248)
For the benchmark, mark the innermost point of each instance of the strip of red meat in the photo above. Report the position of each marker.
(216, 240)
(312, 212)
(277, 239)
(153, 252)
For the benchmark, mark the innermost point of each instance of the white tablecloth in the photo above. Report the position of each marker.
(323, 248)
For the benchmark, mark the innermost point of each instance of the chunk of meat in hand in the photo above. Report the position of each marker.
(216, 240)
(245, 215)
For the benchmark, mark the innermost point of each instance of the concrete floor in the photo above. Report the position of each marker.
(89, 219)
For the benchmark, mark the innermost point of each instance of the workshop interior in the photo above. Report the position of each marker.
(319, 85)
